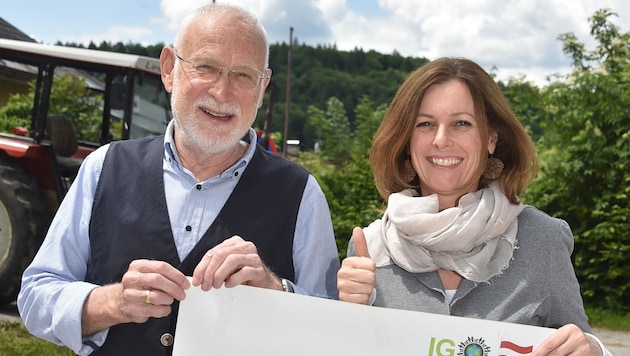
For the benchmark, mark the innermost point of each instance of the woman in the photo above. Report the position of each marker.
(452, 159)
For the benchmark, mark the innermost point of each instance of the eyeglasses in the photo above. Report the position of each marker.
(241, 77)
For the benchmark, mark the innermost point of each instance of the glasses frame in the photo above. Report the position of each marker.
(230, 71)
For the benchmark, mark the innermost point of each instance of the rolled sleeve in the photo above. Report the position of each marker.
(50, 301)
(315, 254)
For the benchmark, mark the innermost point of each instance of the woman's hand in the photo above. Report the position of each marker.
(356, 277)
(569, 340)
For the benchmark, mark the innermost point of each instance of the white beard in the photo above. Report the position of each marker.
(198, 135)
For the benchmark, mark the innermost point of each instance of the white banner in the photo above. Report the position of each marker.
(255, 321)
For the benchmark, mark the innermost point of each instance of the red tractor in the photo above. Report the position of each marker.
(39, 160)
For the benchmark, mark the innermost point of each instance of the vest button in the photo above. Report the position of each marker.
(166, 339)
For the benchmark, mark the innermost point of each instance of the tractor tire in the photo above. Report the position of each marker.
(24, 219)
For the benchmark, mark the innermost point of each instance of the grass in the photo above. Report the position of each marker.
(16, 340)
(608, 319)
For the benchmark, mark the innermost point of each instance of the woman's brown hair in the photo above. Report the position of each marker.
(514, 147)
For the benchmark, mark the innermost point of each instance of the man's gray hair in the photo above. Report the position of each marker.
(218, 10)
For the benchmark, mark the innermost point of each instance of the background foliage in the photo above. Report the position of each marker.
(346, 179)
(584, 157)
(69, 97)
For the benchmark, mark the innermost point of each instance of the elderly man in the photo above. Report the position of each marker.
(203, 201)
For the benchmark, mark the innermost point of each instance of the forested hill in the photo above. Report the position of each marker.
(317, 74)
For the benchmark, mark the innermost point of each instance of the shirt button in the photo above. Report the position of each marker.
(198, 186)
(166, 339)
(236, 174)
(188, 228)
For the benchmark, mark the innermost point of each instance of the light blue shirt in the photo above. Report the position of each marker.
(53, 288)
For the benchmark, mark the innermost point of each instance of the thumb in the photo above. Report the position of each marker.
(360, 245)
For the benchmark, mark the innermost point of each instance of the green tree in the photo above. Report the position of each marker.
(367, 121)
(348, 182)
(584, 160)
(526, 101)
(69, 96)
(333, 129)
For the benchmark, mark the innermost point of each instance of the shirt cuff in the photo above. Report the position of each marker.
(66, 320)
(605, 351)
(372, 296)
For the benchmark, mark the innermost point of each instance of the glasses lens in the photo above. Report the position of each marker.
(205, 71)
(244, 78)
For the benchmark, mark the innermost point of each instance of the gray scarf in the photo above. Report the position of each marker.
(475, 239)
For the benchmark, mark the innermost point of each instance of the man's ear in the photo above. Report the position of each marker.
(167, 66)
(263, 86)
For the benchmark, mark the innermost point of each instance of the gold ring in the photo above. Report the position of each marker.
(147, 296)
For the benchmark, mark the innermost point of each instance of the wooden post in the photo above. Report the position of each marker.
(286, 109)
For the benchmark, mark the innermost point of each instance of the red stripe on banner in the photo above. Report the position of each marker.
(516, 348)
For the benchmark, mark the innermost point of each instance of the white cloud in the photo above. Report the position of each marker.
(516, 36)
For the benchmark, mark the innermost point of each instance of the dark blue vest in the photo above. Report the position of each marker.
(130, 221)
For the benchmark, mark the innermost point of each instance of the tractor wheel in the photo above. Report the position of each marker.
(24, 219)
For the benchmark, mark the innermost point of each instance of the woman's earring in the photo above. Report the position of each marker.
(494, 168)
(408, 172)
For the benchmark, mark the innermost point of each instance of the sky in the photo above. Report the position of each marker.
(511, 38)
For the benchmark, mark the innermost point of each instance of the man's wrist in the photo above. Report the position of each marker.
(286, 285)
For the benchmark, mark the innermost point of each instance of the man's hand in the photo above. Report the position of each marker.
(148, 289)
(356, 277)
(233, 262)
